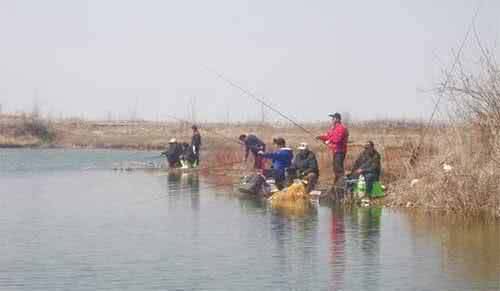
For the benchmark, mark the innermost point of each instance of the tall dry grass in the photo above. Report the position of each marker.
(470, 145)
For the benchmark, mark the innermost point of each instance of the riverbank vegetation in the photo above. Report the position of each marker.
(462, 171)
(449, 167)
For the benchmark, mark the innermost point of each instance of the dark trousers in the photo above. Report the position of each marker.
(338, 166)
(196, 160)
(174, 164)
(311, 179)
(278, 176)
(370, 179)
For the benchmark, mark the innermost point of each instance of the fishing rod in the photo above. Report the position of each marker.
(209, 131)
(224, 166)
(152, 157)
(259, 100)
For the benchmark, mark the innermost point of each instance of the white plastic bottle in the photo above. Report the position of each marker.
(361, 186)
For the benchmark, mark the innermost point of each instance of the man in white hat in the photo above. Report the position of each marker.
(173, 153)
(305, 166)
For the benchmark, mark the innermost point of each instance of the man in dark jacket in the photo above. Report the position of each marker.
(196, 145)
(188, 157)
(173, 153)
(253, 144)
(305, 166)
(282, 159)
(368, 165)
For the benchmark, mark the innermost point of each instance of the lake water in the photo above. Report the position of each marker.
(68, 222)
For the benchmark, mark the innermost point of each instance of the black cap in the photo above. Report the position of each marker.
(335, 115)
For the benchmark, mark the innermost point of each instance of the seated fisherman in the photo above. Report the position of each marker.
(368, 165)
(173, 153)
(281, 159)
(188, 157)
(305, 166)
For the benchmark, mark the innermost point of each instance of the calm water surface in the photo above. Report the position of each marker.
(70, 223)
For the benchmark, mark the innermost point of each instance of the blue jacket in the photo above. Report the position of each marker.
(281, 159)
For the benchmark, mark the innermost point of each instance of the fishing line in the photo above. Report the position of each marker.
(259, 100)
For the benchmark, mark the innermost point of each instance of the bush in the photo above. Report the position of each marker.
(37, 128)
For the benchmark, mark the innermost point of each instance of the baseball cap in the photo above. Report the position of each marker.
(335, 115)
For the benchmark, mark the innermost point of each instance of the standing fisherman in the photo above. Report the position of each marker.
(336, 138)
(253, 144)
(196, 145)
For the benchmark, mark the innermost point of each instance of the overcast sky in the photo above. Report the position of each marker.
(307, 58)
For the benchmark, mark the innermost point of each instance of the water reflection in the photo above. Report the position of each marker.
(86, 231)
(177, 185)
(368, 220)
(470, 249)
(295, 247)
(193, 181)
(252, 204)
(337, 249)
(355, 244)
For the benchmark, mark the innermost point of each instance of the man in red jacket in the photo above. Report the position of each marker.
(336, 138)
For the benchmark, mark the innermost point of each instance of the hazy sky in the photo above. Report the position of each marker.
(308, 58)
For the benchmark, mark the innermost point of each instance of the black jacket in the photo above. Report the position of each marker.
(174, 152)
(188, 153)
(305, 162)
(253, 144)
(368, 163)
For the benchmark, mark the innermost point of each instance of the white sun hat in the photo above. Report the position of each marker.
(172, 140)
(303, 146)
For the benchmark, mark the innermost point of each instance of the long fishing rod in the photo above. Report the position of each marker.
(265, 104)
(209, 131)
(224, 166)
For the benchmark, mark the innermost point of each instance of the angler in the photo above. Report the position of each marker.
(282, 159)
(173, 153)
(368, 165)
(336, 138)
(196, 145)
(305, 167)
(253, 144)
